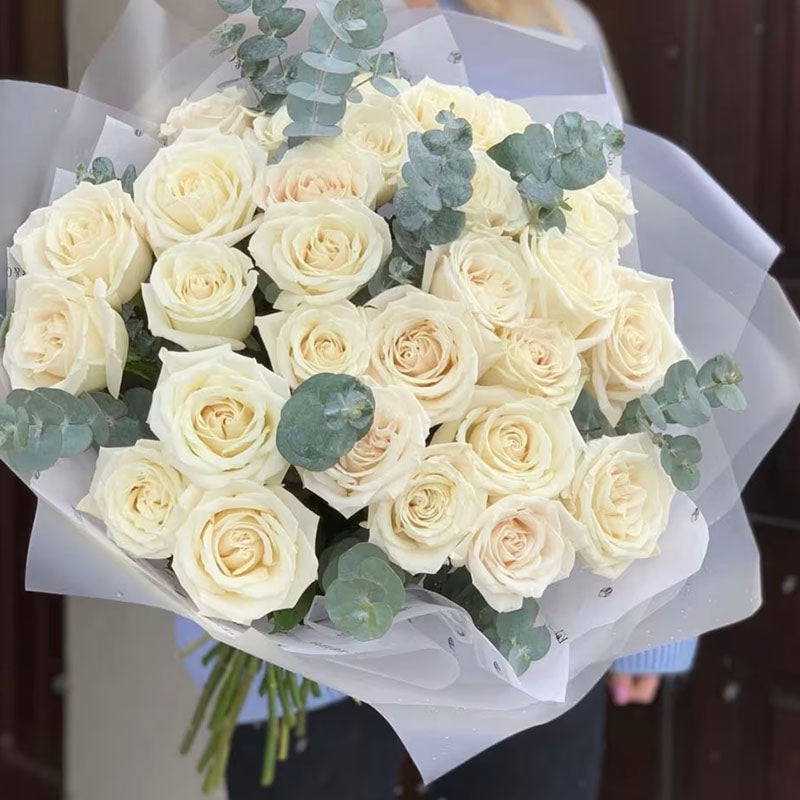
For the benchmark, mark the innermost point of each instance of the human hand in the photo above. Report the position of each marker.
(636, 689)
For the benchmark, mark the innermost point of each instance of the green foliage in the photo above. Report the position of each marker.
(338, 36)
(438, 177)
(324, 418)
(289, 618)
(685, 398)
(396, 271)
(544, 163)
(363, 590)
(102, 171)
(39, 426)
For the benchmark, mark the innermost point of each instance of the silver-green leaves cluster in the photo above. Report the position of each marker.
(686, 398)
(544, 163)
(102, 170)
(37, 427)
(323, 419)
(363, 590)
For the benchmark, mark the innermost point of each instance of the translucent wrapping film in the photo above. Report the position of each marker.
(438, 681)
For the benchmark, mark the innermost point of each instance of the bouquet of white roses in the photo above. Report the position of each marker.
(377, 391)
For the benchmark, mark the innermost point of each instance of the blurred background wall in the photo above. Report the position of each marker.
(720, 77)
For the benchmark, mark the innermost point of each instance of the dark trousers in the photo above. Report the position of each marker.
(353, 754)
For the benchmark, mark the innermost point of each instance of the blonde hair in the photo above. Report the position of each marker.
(525, 13)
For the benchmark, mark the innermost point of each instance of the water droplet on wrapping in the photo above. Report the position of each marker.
(455, 57)
(120, 595)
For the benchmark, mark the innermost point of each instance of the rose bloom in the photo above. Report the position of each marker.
(137, 494)
(610, 193)
(245, 550)
(380, 463)
(223, 112)
(642, 344)
(320, 251)
(490, 118)
(540, 358)
(199, 190)
(217, 413)
(520, 445)
(425, 344)
(622, 497)
(61, 338)
(518, 547)
(379, 126)
(200, 295)
(495, 205)
(573, 283)
(267, 131)
(594, 223)
(91, 233)
(316, 339)
(426, 522)
(485, 272)
(321, 168)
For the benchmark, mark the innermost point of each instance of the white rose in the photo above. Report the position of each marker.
(379, 126)
(520, 546)
(217, 414)
(485, 272)
(245, 550)
(642, 344)
(200, 295)
(63, 339)
(268, 130)
(137, 494)
(540, 357)
(199, 190)
(424, 524)
(511, 117)
(320, 251)
(495, 205)
(573, 283)
(223, 112)
(431, 346)
(622, 496)
(520, 445)
(319, 168)
(316, 339)
(594, 223)
(610, 192)
(91, 233)
(380, 463)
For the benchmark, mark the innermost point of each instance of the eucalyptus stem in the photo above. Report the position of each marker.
(271, 742)
(205, 697)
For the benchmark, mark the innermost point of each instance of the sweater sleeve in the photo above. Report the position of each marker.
(669, 659)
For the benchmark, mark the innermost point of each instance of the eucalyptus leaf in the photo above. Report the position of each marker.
(264, 7)
(568, 132)
(102, 170)
(234, 6)
(731, 396)
(359, 607)
(552, 218)
(384, 86)
(539, 192)
(589, 419)
(653, 411)
(282, 22)
(261, 48)
(226, 36)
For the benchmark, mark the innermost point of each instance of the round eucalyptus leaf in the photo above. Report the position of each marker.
(74, 410)
(234, 6)
(41, 451)
(513, 624)
(21, 428)
(567, 131)
(326, 12)
(262, 7)
(41, 410)
(371, 12)
(380, 571)
(685, 478)
(383, 86)
(653, 411)
(731, 396)
(350, 560)
(359, 607)
(75, 439)
(283, 22)
(261, 48)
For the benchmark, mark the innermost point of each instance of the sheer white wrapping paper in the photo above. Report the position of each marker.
(437, 680)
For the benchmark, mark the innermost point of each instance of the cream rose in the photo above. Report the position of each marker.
(268, 130)
(199, 190)
(622, 497)
(613, 196)
(379, 126)
(223, 112)
(320, 251)
(642, 344)
(245, 550)
(380, 463)
(520, 545)
(594, 223)
(316, 339)
(520, 445)
(200, 295)
(485, 272)
(539, 358)
(315, 169)
(495, 205)
(573, 283)
(425, 344)
(91, 233)
(137, 494)
(426, 522)
(217, 414)
(63, 339)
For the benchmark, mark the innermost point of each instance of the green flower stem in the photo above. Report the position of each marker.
(227, 691)
(288, 713)
(283, 744)
(294, 690)
(315, 690)
(205, 697)
(214, 652)
(194, 646)
(271, 742)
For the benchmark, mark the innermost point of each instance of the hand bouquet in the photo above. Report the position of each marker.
(363, 374)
